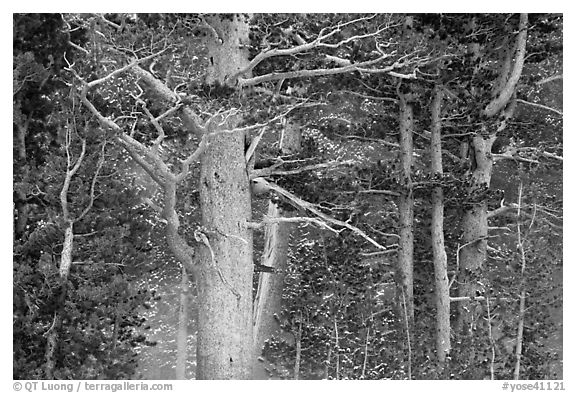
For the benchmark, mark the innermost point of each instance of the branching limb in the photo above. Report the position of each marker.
(265, 172)
(127, 67)
(274, 220)
(312, 209)
(303, 46)
(274, 76)
(70, 172)
(201, 237)
(94, 179)
(540, 106)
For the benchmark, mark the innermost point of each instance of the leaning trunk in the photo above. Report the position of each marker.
(268, 300)
(437, 230)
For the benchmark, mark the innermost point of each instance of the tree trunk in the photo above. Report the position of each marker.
(475, 231)
(225, 272)
(228, 48)
(268, 301)
(474, 223)
(406, 211)
(54, 331)
(182, 337)
(437, 230)
(20, 202)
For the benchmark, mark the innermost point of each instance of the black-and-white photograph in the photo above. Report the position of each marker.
(287, 196)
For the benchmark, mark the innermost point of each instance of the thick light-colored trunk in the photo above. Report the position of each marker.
(474, 232)
(228, 48)
(437, 230)
(474, 224)
(406, 211)
(225, 272)
(182, 337)
(224, 276)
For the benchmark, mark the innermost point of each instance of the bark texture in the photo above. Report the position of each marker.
(406, 209)
(268, 301)
(437, 231)
(474, 224)
(225, 272)
(228, 48)
(475, 231)
(182, 338)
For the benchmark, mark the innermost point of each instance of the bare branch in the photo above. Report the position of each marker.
(201, 237)
(540, 106)
(549, 79)
(272, 171)
(154, 206)
(123, 69)
(554, 156)
(274, 76)
(306, 46)
(94, 179)
(274, 220)
(191, 158)
(311, 208)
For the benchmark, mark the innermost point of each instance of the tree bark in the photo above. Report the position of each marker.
(406, 210)
(475, 231)
(225, 271)
(437, 230)
(54, 331)
(474, 223)
(225, 337)
(182, 337)
(228, 48)
(268, 301)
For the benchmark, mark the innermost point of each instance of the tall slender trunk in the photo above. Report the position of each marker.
(182, 336)
(54, 331)
(437, 230)
(406, 210)
(522, 310)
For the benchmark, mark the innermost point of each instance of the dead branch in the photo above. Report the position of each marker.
(549, 79)
(270, 171)
(274, 76)
(540, 106)
(274, 220)
(94, 179)
(318, 42)
(312, 209)
(201, 237)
